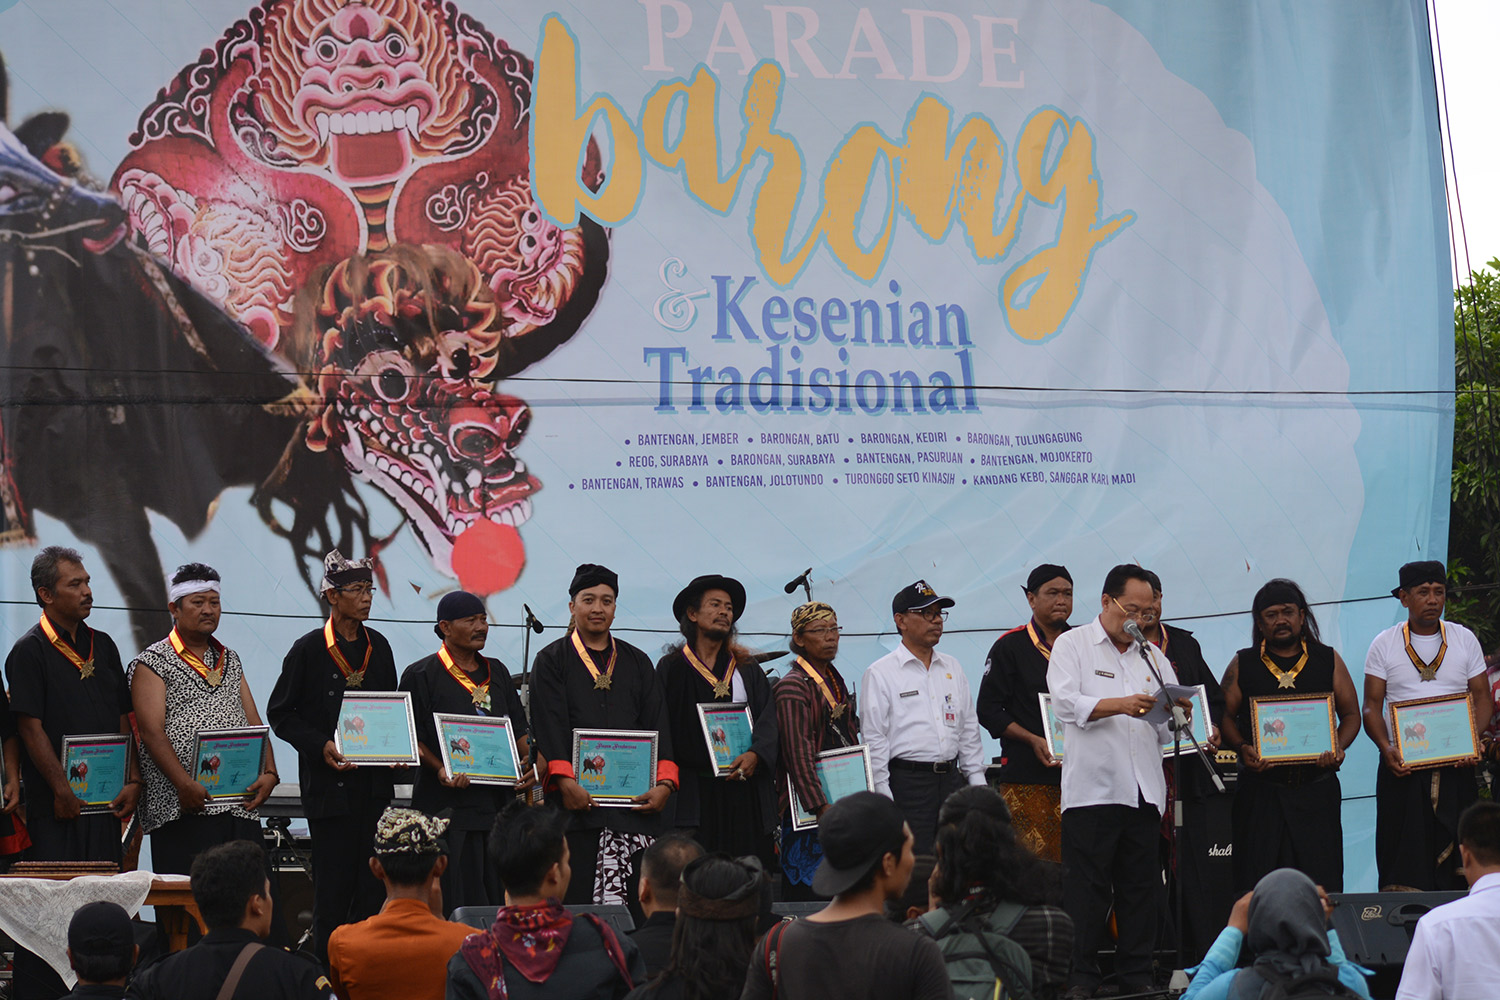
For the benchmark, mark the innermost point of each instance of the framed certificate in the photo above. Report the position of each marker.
(1293, 728)
(841, 772)
(228, 761)
(96, 767)
(615, 765)
(376, 727)
(726, 730)
(1052, 727)
(1431, 732)
(481, 746)
(1202, 725)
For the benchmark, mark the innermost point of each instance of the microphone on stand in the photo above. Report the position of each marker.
(1134, 631)
(801, 581)
(531, 620)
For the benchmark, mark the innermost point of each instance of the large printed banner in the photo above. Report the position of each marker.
(490, 289)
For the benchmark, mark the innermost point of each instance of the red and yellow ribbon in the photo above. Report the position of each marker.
(480, 693)
(353, 678)
(85, 664)
(214, 676)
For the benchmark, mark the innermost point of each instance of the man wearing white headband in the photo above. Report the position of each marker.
(184, 684)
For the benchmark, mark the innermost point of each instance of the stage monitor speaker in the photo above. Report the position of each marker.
(1376, 929)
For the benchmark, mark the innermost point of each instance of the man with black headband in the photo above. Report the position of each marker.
(736, 813)
(459, 680)
(181, 685)
(1014, 675)
(1287, 815)
(591, 680)
(815, 711)
(1416, 812)
(342, 803)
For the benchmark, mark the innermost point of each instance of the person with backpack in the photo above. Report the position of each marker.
(848, 949)
(1292, 952)
(536, 949)
(998, 935)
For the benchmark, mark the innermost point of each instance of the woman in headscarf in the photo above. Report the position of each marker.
(1284, 921)
(719, 906)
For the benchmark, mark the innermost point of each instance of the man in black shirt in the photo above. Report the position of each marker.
(849, 948)
(1007, 706)
(661, 878)
(342, 803)
(590, 680)
(234, 899)
(101, 950)
(459, 680)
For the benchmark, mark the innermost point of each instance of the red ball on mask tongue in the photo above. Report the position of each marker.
(488, 557)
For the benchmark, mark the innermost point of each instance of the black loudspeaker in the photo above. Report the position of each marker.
(1376, 928)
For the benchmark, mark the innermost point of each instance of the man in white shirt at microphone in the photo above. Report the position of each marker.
(1113, 787)
(917, 716)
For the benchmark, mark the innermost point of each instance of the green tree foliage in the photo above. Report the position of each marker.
(1474, 531)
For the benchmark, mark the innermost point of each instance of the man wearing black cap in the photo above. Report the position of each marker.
(849, 948)
(1014, 675)
(591, 680)
(1287, 815)
(459, 680)
(342, 803)
(1416, 812)
(736, 813)
(101, 950)
(918, 716)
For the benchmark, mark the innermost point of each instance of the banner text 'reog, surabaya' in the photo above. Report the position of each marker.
(936, 174)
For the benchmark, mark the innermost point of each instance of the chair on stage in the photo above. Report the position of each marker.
(616, 915)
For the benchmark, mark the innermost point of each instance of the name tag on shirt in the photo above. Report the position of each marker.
(1104, 673)
(909, 694)
(950, 716)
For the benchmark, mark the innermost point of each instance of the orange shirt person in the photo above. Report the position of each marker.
(402, 952)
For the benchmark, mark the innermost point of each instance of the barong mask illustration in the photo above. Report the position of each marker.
(351, 181)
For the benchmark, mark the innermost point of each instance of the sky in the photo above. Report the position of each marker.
(1466, 33)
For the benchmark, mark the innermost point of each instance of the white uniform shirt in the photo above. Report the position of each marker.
(911, 712)
(1388, 660)
(1455, 953)
(1115, 760)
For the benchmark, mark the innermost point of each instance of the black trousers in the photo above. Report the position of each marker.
(469, 880)
(1109, 856)
(583, 858)
(175, 845)
(920, 795)
(344, 890)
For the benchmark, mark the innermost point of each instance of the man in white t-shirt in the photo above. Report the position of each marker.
(1416, 811)
(1455, 953)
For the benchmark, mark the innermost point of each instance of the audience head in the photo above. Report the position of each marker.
(1479, 839)
(917, 899)
(661, 871)
(1281, 615)
(528, 849)
(718, 912)
(977, 851)
(1288, 925)
(867, 848)
(101, 943)
(409, 848)
(231, 887)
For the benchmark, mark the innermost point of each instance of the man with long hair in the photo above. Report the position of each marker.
(1287, 815)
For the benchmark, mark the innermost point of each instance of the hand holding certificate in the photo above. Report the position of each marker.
(841, 772)
(228, 762)
(727, 729)
(376, 727)
(616, 767)
(479, 746)
(1293, 729)
(1435, 732)
(96, 767)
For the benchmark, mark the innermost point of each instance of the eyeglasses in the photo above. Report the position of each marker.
(930, 614)
(1131, 612)
(819, 633)
(358, 589)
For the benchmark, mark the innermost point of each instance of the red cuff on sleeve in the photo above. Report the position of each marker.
(560, 769)
(667, 771)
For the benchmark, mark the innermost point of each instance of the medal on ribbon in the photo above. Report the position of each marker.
(1427, 670)
(604, 680)
(1284, 678)
(85, 664)
(480, 693)
(353, 678)
(835, 707)
(213, 675)
(720, 684)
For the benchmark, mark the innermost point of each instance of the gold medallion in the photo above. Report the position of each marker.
(1429, 672)
(602, 682)
(1287, 680)
(356, 678)
(87, 670)
(215, 677)
(721, 689)
(838, 711)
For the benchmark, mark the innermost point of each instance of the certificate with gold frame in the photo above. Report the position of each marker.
(1435, 732)
(1293, 728)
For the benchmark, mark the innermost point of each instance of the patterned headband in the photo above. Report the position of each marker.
(813, 611)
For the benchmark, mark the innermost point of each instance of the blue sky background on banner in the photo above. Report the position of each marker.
(1282, 165)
